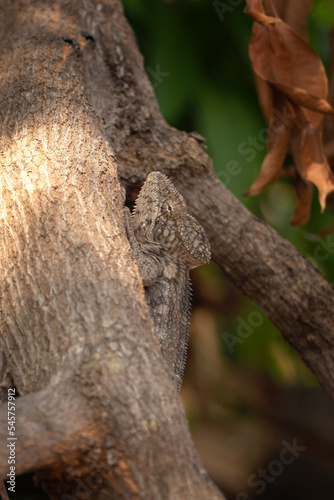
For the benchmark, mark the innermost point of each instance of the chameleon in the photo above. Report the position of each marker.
(167, 242)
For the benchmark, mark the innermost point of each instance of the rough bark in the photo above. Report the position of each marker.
(98, 412)
(95, 392)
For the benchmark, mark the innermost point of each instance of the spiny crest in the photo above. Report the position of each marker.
(158, 199)
(157, 190)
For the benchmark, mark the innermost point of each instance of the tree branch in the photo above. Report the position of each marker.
(268, 269)
(271, 271)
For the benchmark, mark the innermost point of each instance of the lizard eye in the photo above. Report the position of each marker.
(167, 209)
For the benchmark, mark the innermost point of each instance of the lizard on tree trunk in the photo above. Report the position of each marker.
(167, 242)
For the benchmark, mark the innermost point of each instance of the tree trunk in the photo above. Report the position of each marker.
(98, 412)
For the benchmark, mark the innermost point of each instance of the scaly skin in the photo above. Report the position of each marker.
(167, 242)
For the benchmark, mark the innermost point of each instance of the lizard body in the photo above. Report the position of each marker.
(167, 242)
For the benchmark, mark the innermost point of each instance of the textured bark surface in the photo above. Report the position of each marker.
(98, 412)
(96, 399)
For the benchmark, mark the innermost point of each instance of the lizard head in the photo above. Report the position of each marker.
(160, 218)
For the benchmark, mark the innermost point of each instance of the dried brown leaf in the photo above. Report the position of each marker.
(277, 145)
(304, 191)
(329, 120)
(265, 93)
(284, 59)
(255, 10)
(294, 13)
(290, 74)
(310, 161)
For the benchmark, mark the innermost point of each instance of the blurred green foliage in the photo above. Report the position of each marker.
(323, 11)
(196, 56)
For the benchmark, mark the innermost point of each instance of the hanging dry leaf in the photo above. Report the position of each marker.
(292, 85)
(277, 143)
(294, 13)
(304, 191)
(329, 119)
(329, 133)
